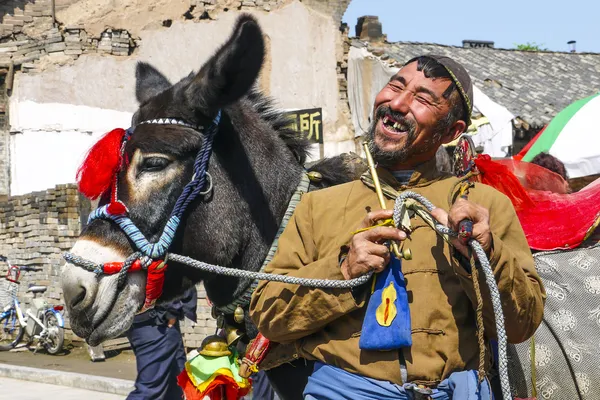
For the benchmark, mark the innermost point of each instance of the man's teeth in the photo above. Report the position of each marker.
(397, 126)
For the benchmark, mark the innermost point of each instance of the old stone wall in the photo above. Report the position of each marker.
(334, 8)
(35, 229)
(53, 63)
(4, 141)
(30, 39)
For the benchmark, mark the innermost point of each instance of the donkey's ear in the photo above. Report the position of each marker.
(149, 82)
(232, 70)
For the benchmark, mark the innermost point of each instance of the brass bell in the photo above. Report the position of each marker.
(406, 254)
(315, 176)
(214, 346)
(238, 315)
(232, 335)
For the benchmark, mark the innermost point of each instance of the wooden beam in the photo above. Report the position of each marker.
(8, 83)
(53, 5)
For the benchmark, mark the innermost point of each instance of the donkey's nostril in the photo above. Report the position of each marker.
(75, 295)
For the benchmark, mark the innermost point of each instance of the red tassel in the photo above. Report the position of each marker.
(102, 162)
(154, 282)
(502, 179)
(116, 208)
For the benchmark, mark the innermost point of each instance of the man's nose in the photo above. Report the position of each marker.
(401, 102)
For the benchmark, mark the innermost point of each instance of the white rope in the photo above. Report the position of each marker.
(344, 284)
(489, 278)
(263, 276)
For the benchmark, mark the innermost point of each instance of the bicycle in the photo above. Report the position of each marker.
(42, 322)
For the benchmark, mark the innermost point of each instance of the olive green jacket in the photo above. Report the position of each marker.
(325, 324)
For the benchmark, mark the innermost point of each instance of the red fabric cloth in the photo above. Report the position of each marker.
(550, 220)
(213, 391)
(155, 281)
(500, 177)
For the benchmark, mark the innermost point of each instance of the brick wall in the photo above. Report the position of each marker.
(4, 161)
(35, 229)
(29, 35)
(194, 333)
(4, 140)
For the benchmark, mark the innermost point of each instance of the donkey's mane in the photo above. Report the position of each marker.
(275, 117)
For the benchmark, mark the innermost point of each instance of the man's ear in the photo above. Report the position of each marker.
(455, 131)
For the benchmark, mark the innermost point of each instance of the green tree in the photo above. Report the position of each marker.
(533, 46)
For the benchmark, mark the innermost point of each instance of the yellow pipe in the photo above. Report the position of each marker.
(380, 196)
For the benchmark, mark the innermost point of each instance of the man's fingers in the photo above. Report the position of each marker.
(375, 249)
(374, 216)
(381, 233)
(440, 215)
(376, 263)
(466, 210)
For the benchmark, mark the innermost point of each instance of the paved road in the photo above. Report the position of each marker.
(12, 389)
(119, 364)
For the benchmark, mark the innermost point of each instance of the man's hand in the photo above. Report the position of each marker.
(464, 209)
(366, 250)
(171, 322)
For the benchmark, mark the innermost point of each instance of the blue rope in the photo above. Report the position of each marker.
(190, 192)
(195, 186)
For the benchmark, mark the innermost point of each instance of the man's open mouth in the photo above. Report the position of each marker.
(394, 126)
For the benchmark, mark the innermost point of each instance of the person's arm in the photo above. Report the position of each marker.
(173, 312)
(285, 312)
(521, 290)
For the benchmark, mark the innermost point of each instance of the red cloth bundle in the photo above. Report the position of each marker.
(551, 218)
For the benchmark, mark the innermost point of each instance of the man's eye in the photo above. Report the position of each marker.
(154, 164)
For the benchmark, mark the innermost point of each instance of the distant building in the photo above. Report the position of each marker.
(533, 86)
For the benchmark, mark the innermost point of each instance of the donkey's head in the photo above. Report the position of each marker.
(254, 167)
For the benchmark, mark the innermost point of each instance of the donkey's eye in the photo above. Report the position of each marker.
(154, 164)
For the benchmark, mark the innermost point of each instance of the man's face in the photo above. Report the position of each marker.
(409, 121)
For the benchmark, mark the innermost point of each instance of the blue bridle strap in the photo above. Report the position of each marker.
(190, 192)
(198, 182)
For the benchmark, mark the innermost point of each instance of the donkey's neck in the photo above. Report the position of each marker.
(265, 175)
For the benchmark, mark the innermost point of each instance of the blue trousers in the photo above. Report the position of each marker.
(328, 382)
(160, 357)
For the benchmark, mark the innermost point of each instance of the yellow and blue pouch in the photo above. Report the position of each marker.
(387, 320)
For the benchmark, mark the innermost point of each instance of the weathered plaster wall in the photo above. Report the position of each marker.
(70, 89)
(47, 149)
(304, 52)
(4, 142)
(4, 161)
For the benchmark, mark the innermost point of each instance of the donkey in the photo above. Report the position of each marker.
(255, 167)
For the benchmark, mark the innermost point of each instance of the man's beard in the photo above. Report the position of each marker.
(389, 158)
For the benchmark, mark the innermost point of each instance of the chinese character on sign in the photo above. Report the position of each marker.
(308, 123)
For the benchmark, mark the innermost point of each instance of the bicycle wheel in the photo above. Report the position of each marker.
(11, 331)
(56, 335)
